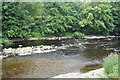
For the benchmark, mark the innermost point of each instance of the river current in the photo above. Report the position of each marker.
(70, 56)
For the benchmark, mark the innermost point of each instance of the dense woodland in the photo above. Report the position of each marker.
(39, 19)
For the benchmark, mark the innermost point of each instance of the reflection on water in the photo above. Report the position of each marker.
(69, 57)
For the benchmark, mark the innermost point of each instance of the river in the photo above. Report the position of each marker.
(72, 55)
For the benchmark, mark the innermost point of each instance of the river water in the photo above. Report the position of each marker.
(71, 56)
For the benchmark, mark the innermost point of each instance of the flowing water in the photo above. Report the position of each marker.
(71, 56)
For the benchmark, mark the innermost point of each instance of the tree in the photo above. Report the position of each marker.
(116, 16)
(98, 18)
(28, 19)
(16, 21)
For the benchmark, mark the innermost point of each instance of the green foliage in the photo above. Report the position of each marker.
(111, 65)
(116, 16)
(58, 18)
(68, 34)
(30, 19)
(65, 34)
(36, 34)
(16, 21)
(98, 17)
(6, 42)
(79, 34)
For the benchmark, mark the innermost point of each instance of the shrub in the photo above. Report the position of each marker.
(36, 34)
(67, 34)
(111, 65)
(61, 34)
(79, 34)
(6, 41)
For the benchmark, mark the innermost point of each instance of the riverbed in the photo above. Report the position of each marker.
(71, 55)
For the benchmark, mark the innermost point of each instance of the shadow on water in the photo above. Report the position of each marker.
(71, 56)
(26, 43)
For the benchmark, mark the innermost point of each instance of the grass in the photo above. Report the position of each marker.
(111, 66)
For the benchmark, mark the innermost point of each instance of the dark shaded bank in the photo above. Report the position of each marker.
(42, 38)
(34, 41)
(50, 40)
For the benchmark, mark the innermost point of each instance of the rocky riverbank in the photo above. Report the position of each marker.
(98, 73)
(21, 51)
(43, 38)
(100, 37)
(66, 37)
(26, 50)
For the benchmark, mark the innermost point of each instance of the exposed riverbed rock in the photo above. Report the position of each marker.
(51, 38)
(90, 67)
(91, 74)
(100, 37)
(10, 52)
(99, 73)
(27, 50)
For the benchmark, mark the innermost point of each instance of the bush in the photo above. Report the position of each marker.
(6, 41)
(111, 65)
(79, 34)
(66, 34)
(61, 34)
(36, 34)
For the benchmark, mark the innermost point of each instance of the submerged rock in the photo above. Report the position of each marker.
(90, 67)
